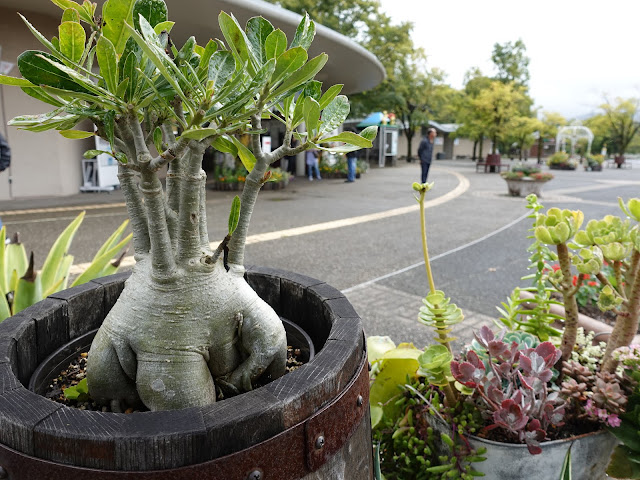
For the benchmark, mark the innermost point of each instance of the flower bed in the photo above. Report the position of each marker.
(227, 179)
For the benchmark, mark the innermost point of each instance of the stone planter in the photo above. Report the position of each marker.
(312, 423)
(524, 186)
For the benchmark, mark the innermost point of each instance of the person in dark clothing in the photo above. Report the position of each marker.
(5, 157)
(425, 152)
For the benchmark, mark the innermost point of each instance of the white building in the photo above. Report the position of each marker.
(45, 164)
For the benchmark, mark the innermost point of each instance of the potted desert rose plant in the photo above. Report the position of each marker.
(530, 397)
(188, 327)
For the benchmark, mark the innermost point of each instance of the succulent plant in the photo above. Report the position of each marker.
(608, 394)
(514, 389)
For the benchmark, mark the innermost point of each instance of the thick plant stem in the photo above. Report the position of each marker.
(135, 209)
(450, 397)
(163, 262)
(204, 233)
(425, 248)
(625, 328)
(189, 245)
(570, 304)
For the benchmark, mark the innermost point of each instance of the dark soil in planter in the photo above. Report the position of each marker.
(77, 370)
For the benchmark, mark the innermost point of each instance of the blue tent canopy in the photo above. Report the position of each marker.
(374, 119)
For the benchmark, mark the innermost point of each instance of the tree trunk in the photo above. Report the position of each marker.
(480, 150)
(540, 145)
(409, 135)
(475, 146)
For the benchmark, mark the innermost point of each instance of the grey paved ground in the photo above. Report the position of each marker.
(477, 238)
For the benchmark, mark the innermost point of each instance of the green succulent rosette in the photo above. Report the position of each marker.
(588, 261)
(435, 365)
(609, 299)
(631, 209)
(557, 226)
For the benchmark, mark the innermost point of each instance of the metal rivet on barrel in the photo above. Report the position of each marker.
(319, 442)
(3, 473)
(360, 400)
(255, 475)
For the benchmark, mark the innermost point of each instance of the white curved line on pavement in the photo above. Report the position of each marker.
(463, 186)
(449, 252)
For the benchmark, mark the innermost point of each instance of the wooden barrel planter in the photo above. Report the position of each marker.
(312, 423)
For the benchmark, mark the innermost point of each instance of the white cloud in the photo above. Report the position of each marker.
(578, 50)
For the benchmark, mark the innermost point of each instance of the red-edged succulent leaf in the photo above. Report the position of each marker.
(510, 416)
(467, 373)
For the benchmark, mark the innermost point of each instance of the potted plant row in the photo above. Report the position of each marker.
(524, 179)
(561, 161)
(528, 397)
(234, 178)
(593, 163)
(188, 326)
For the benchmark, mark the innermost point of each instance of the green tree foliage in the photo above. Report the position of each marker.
(622, 121)
(548, 128)
(511, 62)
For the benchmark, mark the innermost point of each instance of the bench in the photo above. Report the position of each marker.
(492, 164)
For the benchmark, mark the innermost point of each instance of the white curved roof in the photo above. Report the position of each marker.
(349, 63)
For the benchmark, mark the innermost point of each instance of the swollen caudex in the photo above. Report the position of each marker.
(167, 344)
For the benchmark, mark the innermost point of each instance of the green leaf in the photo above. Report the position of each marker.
(108, 62)
(245, 155)
(313, 89)
(258, 29)
(335, 114)
(39, 71)
(59, 249)
(205, 57)
(109, 127)
(154, 11)
(158, 58)
(71, 96)
(122, 89)
(234, 215)
(72, 40)
(66, 4)
(200, 133)
(157, 139)
(275, 44)
(80, 80)
(306, 72)
(289, 62)
(226, 146)
(236, 38)
(329, 95)
(565, 473)
(163, 27)
(99, 262)
(3, 279)
(349, 137)
(369, 133)
(18, 82)
(222, 65)
(122, 158)
(304, 33)
(129, 71)
(5, 311)
(40, 94)
(15, 260)
(75, 134)
(115, 13)
(311, 113)
(94, 153)
(26, 292)
(79, 392)
(70, 15)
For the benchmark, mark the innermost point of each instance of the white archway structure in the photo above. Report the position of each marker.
(573, 133)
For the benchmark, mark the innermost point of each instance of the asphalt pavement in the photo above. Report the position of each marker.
(364, 237)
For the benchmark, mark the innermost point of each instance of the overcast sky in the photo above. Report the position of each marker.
(578, 50)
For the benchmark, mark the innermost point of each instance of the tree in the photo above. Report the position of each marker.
(496, 107)
(349, 17)
(511, 62)
(622, 118)
(521, 130)
(469, 118)
(186, 320)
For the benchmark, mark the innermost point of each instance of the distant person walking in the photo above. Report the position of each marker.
(5, 158)
(312, 164)
(352, 160)
(425, 152)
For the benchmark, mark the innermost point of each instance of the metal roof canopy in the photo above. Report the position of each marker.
(349, 63)
(573, 133)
